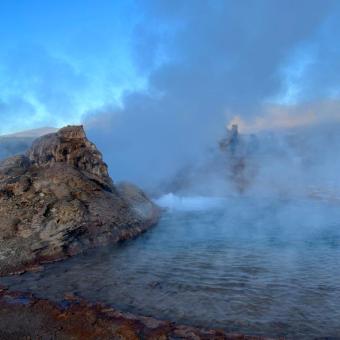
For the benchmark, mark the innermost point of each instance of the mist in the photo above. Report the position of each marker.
(226, 114)
(156, 83)
(209, 62)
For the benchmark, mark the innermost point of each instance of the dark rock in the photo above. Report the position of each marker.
(237, 152)
(231, 141)
(59, 200)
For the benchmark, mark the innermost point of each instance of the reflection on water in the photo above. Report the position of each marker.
(245, 265)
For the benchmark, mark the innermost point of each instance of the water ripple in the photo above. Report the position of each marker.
(255, 267)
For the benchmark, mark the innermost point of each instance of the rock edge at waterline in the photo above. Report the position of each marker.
(23, 316)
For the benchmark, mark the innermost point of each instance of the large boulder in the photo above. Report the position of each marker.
(58, 200)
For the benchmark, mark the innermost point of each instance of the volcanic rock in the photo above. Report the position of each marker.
(58, 200)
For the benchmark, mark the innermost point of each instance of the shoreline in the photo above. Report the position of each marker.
(23, 316)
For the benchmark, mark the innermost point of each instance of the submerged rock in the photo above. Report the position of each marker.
(58, 200)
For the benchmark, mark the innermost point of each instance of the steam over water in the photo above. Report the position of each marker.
(259, 266)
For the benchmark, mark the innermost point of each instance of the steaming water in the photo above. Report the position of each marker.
(249, 265)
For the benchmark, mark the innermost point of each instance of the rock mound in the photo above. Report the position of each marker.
(58, 200)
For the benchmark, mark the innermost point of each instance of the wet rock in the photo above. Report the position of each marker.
(59, 200)
(22, 316)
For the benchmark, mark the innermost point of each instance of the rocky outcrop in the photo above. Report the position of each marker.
(238, 151)
(231, 141)
(58, 200)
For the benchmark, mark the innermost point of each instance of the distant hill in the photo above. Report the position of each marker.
(35, 133)
(19, 142)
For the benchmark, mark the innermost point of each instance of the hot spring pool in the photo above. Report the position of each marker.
(255, 266)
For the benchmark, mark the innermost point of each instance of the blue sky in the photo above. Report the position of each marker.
(59, 59)
(67, 62)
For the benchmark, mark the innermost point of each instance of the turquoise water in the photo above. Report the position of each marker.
(259, 266)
